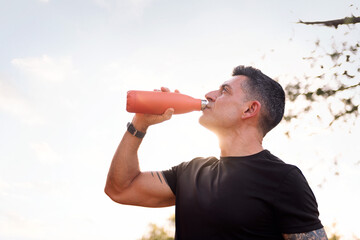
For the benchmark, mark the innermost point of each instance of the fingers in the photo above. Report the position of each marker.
(165, 89)
(149, 119)
(168, 114)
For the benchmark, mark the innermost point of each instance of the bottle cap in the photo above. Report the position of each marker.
(203, 104)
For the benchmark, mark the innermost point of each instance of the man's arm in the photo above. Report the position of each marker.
(318, 234)
(126, 184)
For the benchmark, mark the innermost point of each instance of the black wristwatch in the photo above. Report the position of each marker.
(131, 129)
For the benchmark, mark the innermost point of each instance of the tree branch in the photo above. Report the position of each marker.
(334, 23)
(327, 92)
(354, 109)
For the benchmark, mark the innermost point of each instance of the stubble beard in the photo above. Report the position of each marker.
(207, 122)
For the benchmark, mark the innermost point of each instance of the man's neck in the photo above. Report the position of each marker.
(240, 144)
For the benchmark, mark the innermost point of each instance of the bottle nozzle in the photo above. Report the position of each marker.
(203, 104)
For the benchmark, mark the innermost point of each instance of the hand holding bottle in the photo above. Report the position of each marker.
(142, 121)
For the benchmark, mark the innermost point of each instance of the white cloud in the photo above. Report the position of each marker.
(14, 225)
(12, 102)
(4, 187)
(125, 8)
(45, 153)
(46, 68)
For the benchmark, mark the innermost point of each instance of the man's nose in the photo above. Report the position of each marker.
(211, 96)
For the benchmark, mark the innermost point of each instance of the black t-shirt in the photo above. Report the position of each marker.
(252, 197)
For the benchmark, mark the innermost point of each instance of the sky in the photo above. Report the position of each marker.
(65, 68)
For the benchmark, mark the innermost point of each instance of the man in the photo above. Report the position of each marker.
(246, 194)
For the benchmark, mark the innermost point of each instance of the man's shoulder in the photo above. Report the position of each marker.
(272, 159)
(200, 161)
(205, 159)
(271, 165)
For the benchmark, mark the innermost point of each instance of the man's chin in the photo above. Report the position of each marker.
(203, 121)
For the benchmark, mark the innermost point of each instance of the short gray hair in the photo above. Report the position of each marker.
(268, 92)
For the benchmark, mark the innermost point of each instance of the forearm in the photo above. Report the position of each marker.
(318, 234)
(124, 167)
(125, 164)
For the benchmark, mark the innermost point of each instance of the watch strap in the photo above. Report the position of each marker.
(133, 131)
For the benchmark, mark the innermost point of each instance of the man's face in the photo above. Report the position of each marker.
(225, 105)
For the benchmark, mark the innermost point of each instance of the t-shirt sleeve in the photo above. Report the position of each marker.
(171, 177)
(296, 206)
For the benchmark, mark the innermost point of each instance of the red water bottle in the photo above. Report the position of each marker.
(155, 102)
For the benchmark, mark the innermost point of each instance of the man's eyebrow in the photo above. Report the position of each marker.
(222, 86)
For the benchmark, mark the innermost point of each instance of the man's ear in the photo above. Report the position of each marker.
(253, 109)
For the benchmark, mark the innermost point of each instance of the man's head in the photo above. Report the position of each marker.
(268, 92)
(249, 96)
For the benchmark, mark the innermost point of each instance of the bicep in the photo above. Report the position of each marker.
(318, 234)
(148, 189)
